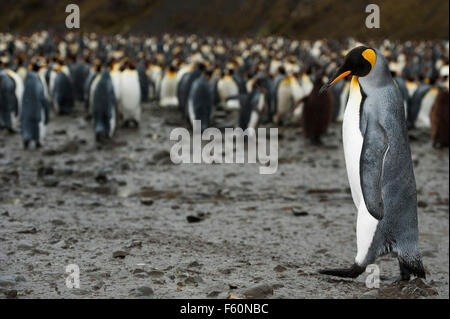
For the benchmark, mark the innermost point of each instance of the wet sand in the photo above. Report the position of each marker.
(120, 212)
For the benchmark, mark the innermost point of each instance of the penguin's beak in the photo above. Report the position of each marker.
(340, 74)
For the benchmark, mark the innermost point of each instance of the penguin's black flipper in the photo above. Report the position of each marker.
(352, 272)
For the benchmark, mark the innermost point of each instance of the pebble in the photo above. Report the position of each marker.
(155, 273)
(279, 268)
(194, 219)
(50, 182)
(194, 264)
(25, 245)
(371, 294)
(45, 170)
(193, 280)
(120, 254)
(11, 294)
(11, 280)
(299, 213)
(146, 201)
(143, 291)
(259, 291)
(30, 230)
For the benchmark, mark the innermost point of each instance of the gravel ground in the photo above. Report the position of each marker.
(140, 227)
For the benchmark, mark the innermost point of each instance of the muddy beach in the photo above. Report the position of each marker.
(140, 227)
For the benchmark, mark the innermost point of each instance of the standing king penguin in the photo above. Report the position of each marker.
(379, 166)
(104, 106)
(34, 114)
(130, 95)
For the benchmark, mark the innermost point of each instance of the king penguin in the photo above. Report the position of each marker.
(34, 113)
(130, 95)
(168, 94)
(379, 166)
(11, 93)
(104, 106)
(317, 112)
(200, 100)
(439, 119)
(63, 91)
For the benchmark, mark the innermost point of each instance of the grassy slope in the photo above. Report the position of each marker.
(402, 19)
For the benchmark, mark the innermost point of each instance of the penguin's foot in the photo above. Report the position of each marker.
(316, 141)
(352, 272)
(411, 266)
(101, 138)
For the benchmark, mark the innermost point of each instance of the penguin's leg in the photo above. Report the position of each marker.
(354, 271)
(410, 264)
(405, 275)
(365, 229)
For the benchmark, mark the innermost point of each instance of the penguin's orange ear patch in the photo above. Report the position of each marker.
(370, 56)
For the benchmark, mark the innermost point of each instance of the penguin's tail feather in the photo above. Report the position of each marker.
(354, 271)
(411, 265)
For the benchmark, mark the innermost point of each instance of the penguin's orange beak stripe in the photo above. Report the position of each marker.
(340, 77)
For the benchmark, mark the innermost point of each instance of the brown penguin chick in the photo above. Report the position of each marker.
(439, 118)
(317, 112)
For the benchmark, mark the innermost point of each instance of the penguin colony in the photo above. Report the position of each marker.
(269, 81)
(378, 91)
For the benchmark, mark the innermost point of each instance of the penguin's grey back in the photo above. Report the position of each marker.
(383, 112)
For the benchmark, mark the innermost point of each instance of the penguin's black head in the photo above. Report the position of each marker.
(358, 62)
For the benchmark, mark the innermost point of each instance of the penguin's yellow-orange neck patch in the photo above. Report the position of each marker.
(370, 56)
(354, 86)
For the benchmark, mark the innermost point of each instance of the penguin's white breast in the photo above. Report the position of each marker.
(423, 119)
(227, 88)
(92, 92)
(353, 140)
(115, 78)
(130, 90)
(284, 96)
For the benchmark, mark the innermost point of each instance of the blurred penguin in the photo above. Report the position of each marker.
(11, 94)
(422, 120)
(93, 72)
(34, 114)
(283, 96)
(317, 112)
(144, 81)
(185, 85)
(80, 72)
(130, 95)
(415, 103)
(226, 87)
(439, 118)
(115, 72)
(168, 94)
(104, 106)
(63, 91)
(200, 100)
(253, 106)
